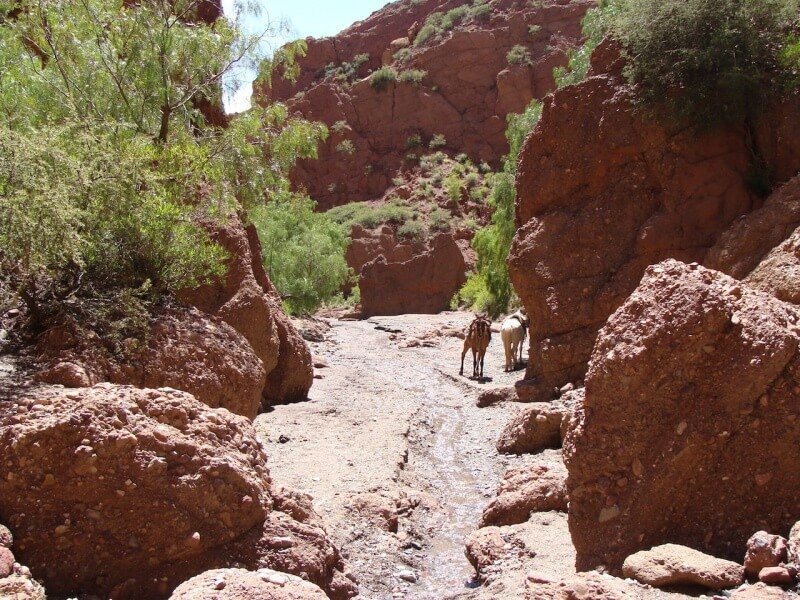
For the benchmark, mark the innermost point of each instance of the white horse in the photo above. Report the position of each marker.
(513, 333)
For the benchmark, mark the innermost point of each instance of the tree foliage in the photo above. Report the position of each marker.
(107, 159)
(489, 289)
(711, 60)
(303, 251)
(722, 55)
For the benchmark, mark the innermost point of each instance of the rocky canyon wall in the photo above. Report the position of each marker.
(605, 190)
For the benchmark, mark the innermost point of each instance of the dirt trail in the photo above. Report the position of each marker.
(397, 423)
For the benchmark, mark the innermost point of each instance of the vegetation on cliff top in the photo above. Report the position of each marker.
(710, 60)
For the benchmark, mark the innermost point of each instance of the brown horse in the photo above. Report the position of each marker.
(477, 339)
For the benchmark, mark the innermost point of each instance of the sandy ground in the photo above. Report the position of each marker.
(398, 424)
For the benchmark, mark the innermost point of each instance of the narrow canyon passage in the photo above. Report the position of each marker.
(392, 428)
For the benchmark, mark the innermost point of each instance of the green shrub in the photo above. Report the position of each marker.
(594, 29)
(709, 60)
(438, 141)
(107, 166)
(303, 252)
(411, 230)
(381, 78)
(453, 185)
(415, 76)
(369, 215)
(347, 72)
(480, 11)
(438, 23)
(723, 55)
(490, 288)
(402, 55)
(440, 220)
(340, 126)
(346, 147)
(534, 30)
(475, 296)
(425, 33)
(479, 194)
(413, 141)
(519, 55)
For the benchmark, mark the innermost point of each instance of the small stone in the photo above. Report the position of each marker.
(608, 514)
(6, 539)
(637, 467)
(764, 550)
(763, 479)
(407, 575)
(540, 578)
(273, 577)
(671, 564)
(775, 576)
(6, 562)
(283, 439)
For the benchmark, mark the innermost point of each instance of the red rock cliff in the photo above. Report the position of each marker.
(468, 89)
(603, 192)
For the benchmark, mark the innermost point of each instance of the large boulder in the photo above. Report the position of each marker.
(764, 550)
(674, 565)
(184, 349)
(423, 284)
(538, 487)
(752, 237)
(292, 539)
(246, 299)
(688, 429)
(605, 190)
(238, 584)
(538, 425)
(85, 471)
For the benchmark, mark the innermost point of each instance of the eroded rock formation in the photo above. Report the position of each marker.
(183, 349)
(424, 283)
(85, 472)
(246, 299)
(238, 584)
(604, 191)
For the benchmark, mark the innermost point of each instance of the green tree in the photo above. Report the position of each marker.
(111, 149)
(710, 60)
(303, 251)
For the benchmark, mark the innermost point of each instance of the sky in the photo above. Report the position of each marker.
(316, 18)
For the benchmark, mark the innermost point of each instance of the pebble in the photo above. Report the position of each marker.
(273, 577)
(407, 575)
(776, 576)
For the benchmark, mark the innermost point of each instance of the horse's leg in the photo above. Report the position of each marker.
(474, 363)
(483, 355)
(463, 354)
(508, 347)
